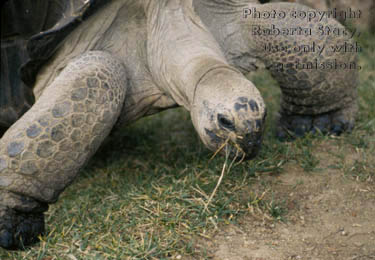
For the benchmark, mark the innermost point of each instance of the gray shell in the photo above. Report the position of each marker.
(31, 32)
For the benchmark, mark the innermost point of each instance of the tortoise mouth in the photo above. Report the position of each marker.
(247, 149)
(236, 147)
(238, 154)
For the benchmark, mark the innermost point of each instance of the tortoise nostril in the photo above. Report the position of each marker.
(225, 122)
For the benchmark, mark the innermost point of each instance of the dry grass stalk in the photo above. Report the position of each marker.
(227, 152)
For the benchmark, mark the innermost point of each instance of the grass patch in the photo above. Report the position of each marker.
(277, 209)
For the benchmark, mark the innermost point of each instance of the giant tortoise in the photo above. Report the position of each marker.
(95, 64)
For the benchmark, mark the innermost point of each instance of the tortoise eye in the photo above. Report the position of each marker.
(225, 122)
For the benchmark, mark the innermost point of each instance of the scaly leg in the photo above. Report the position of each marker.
(41, 154)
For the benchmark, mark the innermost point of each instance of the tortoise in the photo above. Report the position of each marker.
(95, 65)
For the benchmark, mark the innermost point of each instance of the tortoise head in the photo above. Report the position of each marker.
(228, 111)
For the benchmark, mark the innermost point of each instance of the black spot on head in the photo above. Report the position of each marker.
(238, 106)
(243, 99)
(253, 105)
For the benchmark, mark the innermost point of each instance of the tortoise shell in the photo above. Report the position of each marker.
(31, 32)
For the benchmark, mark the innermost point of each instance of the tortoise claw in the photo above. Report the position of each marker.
(18, 230)
(290, 127)
(6, 239)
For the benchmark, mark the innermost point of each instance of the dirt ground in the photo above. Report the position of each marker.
(329, 216)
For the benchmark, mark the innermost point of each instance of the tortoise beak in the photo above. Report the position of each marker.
(245, 148)
(251, 145)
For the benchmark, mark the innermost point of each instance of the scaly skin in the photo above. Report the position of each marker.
(43, 151)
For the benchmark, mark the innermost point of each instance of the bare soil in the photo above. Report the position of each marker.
(329, 215)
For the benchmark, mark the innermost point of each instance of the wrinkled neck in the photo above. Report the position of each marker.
(224, 19)
(180, 48)
(219, 16)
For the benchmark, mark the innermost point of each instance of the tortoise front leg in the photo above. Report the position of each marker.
(41, 154)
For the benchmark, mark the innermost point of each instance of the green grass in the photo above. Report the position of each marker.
(143, 195)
